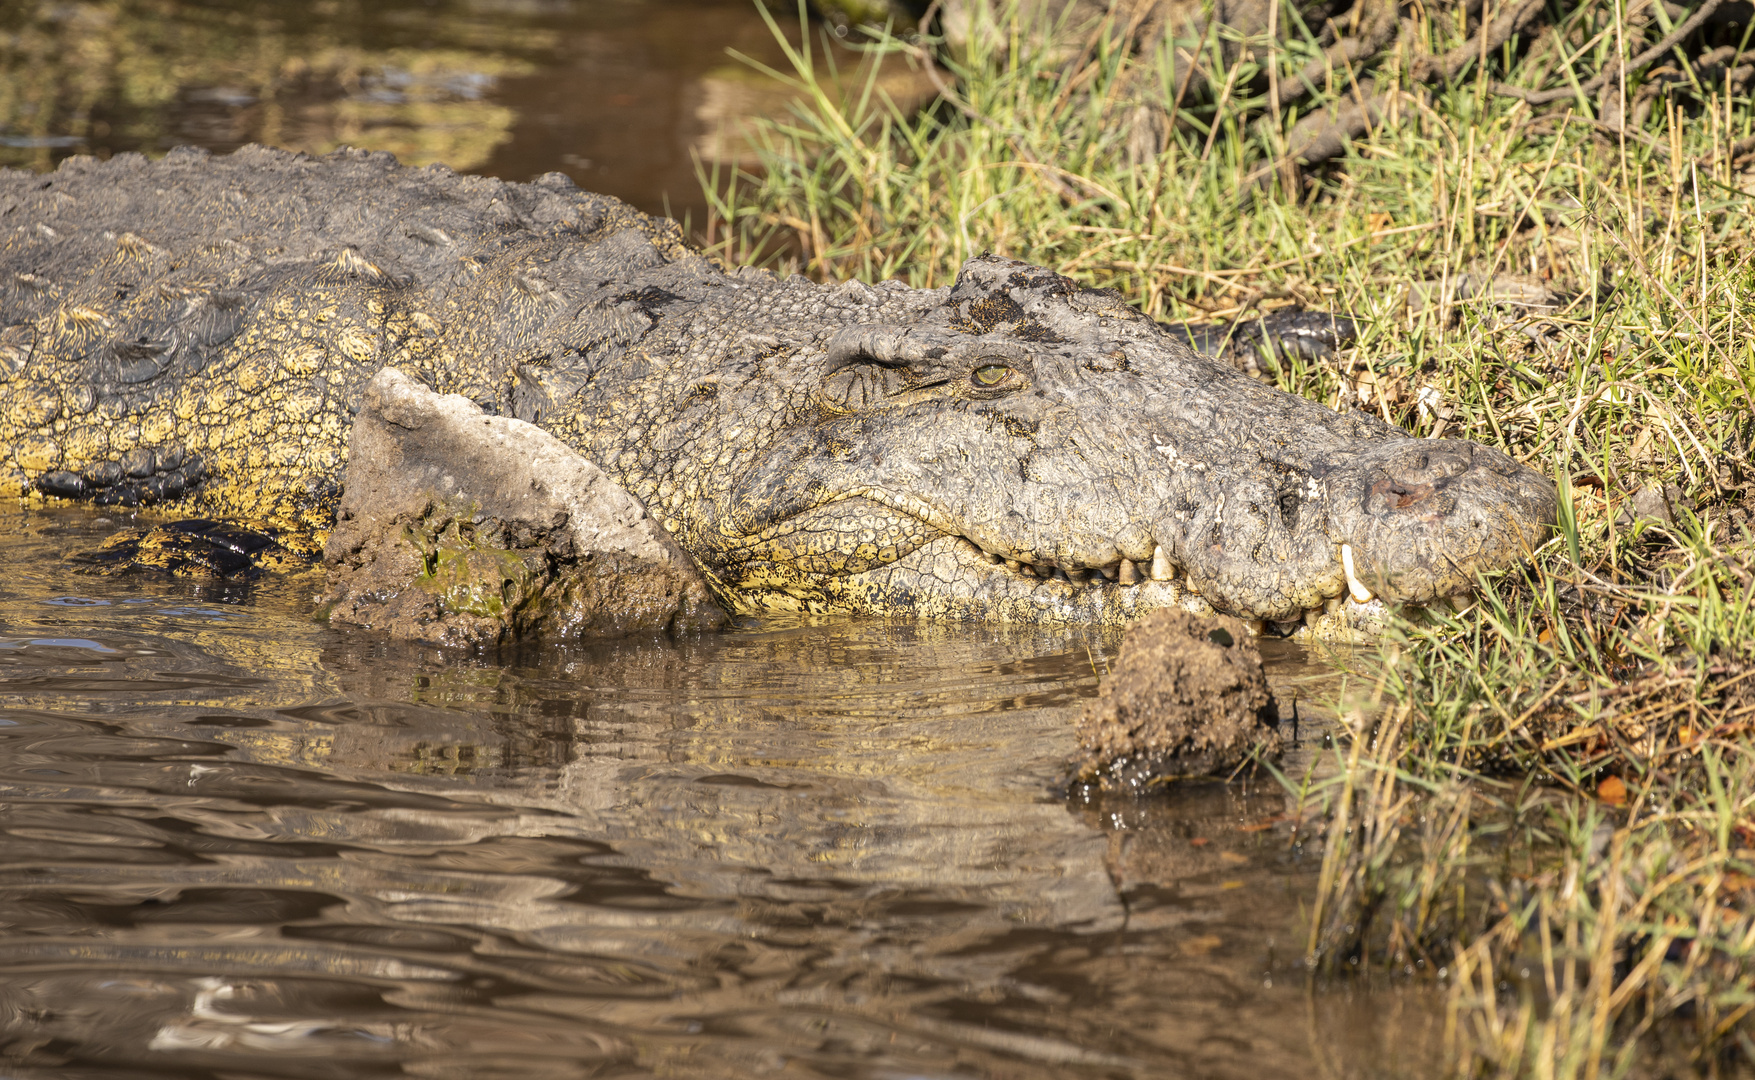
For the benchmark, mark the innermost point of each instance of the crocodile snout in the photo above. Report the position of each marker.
(1419, 518)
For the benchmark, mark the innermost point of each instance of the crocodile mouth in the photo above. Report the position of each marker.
(1157, 582)
(891, 559)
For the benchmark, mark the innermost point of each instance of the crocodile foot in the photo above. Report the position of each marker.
(194, 547)
(1265, 342)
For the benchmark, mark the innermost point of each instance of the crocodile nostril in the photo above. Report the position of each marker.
(1399, 496)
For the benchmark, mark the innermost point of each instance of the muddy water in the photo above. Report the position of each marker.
(234, 842)
(623, 95)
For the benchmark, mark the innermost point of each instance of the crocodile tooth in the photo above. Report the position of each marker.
(1254, 626)
(1312, 616)
(1044, 570)
(1130, 574)
(1332, 604)
(1360, 593)
(1013, 565)
(1161, 568)
(1461, 602)
(990, 557)
(1078, 577)
(1062, 575)
(1109, 572)
(1287, 629)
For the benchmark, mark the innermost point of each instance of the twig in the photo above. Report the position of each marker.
(1090, 185)
(1220, 277)
(1219, 110)
(1598, 81)
(1187, 76)
(1074, 72)
(1489, 37)
(1622, 131)
(1378, 23)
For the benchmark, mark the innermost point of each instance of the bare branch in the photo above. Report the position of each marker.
(1670, 41)
(1325, 133)
(1488, 38)
(1377, 25)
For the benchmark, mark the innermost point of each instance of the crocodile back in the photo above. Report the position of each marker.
(200, 327)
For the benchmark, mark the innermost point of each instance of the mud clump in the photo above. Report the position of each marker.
(460, 528)
(1187, 697)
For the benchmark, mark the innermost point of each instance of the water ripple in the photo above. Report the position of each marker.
(234, 842)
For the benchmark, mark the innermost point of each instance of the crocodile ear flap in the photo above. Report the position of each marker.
(882, 345)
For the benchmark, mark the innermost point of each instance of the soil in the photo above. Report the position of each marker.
(1187, 697)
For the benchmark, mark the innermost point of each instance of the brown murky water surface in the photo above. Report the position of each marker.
(624, 96)
(234, 842)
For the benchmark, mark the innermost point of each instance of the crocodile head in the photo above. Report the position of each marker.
(1024, 449)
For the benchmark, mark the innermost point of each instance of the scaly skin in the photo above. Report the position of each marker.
(195, 332)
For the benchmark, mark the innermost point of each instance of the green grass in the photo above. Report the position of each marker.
(1547, 801)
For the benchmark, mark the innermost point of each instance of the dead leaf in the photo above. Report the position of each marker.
(1200, 946)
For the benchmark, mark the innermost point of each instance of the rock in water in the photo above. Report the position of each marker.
(461, 528)
(1187, 697)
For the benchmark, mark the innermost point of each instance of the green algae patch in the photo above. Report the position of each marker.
(470, 579)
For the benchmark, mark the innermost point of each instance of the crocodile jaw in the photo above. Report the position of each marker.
(951, 578)
(1416, 519)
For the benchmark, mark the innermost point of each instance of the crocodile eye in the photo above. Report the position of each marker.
(988, 376)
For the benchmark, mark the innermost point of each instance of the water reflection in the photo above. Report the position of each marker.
(234, 842)
(622, 95)
(115, 75)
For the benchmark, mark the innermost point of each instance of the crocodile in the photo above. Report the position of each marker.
(195, 333)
